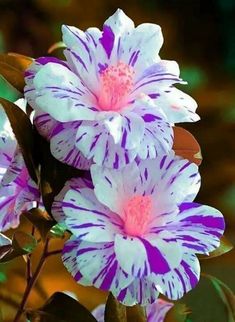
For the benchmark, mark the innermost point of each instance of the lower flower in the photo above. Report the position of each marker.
(137, 232)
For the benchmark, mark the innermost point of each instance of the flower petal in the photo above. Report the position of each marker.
(178, 106)
(170, 179)
(87, 218)
(158, 134)
(63, 146)
(57, 206)
(69, 257)
(97, 263)
(198, 227)
(96, 143)
(157, 76)
(141, 257)
(99, 312)
(141, 291)
(157, 311)
(55, 85)
(181, 280)
(44, 123)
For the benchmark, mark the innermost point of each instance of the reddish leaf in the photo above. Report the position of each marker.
(12, 67)
(186, 145)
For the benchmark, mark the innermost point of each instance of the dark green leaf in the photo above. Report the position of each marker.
(23, 243)
(136, 313)
(22, 129)
(225, 247)
(4, 250)
(54, 174)
(61, 308)
(114, 311)
(226, 295)
(41, 220)
(178, 313)
(204, 303)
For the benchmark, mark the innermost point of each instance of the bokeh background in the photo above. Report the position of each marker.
(200, 36)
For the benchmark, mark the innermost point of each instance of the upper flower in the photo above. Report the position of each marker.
(114, 91)
(17, 190)
(136, 233)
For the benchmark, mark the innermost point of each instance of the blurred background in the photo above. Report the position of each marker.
(200, 36)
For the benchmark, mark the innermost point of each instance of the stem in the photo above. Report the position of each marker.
(54, 252)
(31, 282)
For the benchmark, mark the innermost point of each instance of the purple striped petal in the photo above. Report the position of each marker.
(57, 206)
(157, 311)
(198, 227)
(181, 280)
(141, 291)
(158, 134)
(44, 124)
(63, 146)
(87, 218)
(97, 263)
(141, 257)
(177, 106)
(96, 143)
(69, 257)
(55, 85)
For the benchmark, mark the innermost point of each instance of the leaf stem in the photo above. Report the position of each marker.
(31, 282)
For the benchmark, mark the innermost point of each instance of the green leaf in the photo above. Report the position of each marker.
(41, 220)
(61, 308)
(225, 247)
(114, 311)
(226, 295)
(58, 231)
(12, 67)
(178, 313)
(23, 243)
(204, 303)
(53, 173)
(23, 131)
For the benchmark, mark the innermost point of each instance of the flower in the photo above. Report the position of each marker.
(155, 312)
(18, 191)
(137, 232)
(112, 99)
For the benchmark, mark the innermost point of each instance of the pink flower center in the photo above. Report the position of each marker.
(137, 215)
(116, 84)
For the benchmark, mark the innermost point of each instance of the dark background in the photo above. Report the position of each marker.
(200, 36)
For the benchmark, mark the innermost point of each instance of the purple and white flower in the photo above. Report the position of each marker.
(137, 232)
(113, 98)
(155, 312)
(18, 192)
